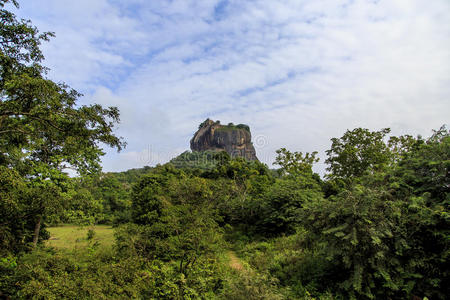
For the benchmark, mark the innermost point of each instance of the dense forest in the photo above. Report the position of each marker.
(206, 225)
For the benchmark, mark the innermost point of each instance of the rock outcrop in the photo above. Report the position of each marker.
(234, 139)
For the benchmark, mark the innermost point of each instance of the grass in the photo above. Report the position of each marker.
(72, 236)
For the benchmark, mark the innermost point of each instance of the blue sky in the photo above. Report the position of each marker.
(298, 72)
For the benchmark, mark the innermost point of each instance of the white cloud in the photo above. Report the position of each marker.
(298, 72)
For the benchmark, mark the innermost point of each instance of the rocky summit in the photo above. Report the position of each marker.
(236, 140)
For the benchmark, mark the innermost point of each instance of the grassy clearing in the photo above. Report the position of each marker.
(71, 236)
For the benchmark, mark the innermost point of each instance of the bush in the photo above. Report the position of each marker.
(250, 286)
(90, 234)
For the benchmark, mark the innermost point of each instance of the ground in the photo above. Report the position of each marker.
(72, 236)
(235, 262)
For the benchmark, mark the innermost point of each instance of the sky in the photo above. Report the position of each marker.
(298, 72)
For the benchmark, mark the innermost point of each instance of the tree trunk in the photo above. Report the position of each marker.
(37, 229)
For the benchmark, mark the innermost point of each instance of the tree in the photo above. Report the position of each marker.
(42, 129)
(387, 232)
(174, 222)
(357, 152)
(115, 197)
(360, 229)
(422, 181)
(13, 195)
(295, 163)
(280, 208)
(148, 199)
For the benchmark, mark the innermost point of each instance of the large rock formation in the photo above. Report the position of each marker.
(234, 139)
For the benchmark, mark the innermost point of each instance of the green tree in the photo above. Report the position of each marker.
(387, 232)
(175, 223)
(148, 199)
(13, 202)
(280, 209)
(115, 196)
(295, 163)
(422, 181)
(42, 129)
(238, 169)
(356, 152)
(359, 228)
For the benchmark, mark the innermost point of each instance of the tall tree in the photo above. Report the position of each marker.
(356, 152)
(42, 129)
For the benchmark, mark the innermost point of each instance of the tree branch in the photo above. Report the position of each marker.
(11, 113)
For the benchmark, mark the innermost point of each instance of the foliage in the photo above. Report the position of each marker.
(422, 180)
(250, 286)
(204, 160)
(357, 152)
(20, 201)
(174, 211)
(175, 224)
(299, 269)
(46, 274)
(238, 169)
(389, 232)
(13, 202)
(382, 234)
(281, 205)
(42, 129)
(358, 228)
(115, 197)
(149, 197)
(280, 211)
(40, 117)
(295, 163)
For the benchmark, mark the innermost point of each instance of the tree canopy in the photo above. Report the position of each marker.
(43, 130)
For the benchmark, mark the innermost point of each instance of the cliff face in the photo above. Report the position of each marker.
(234, 139)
